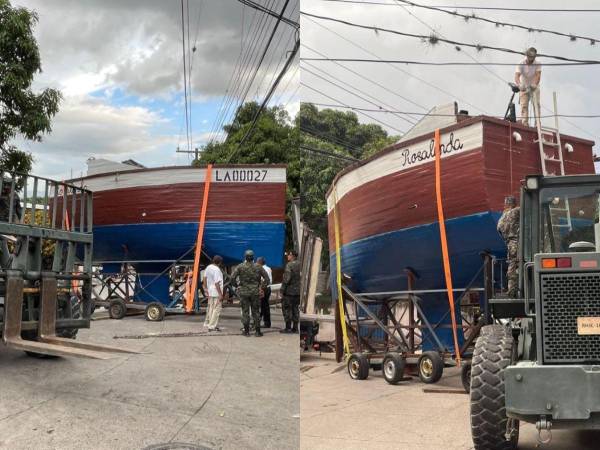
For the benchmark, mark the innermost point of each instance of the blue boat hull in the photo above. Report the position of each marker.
(377, 263)
(170, 241)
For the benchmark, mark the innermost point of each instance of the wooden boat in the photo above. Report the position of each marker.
(387, 205)
(148, 217)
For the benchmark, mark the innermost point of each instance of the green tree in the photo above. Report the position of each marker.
(335, 132)
(22, 112)
(274, 140)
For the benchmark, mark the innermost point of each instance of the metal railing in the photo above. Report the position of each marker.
(45, 203)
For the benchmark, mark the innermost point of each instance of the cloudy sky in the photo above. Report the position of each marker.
(475, 88)
(119, 66)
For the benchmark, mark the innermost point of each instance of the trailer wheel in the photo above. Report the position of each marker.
(117, 308)
(393, 367)
(465, 376)
(155, 312)
(358, 366)
(430, 367)
(493, 353)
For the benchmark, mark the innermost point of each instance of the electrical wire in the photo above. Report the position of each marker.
(185, 84)
(266, 100)
(435, 38)
(411, 122)
(328, 154)
(487, 8)
(396, 68)
(382, 110)
(497, 23)
(432, 63)
(361, 112)
(270, 12)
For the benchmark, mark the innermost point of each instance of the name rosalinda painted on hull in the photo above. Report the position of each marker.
(406, 158)
(411, 157)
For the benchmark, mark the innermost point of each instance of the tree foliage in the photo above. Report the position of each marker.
(335, 132)
(22, 111)
(273, 141)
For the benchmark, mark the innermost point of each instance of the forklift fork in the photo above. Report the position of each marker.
(48, 343)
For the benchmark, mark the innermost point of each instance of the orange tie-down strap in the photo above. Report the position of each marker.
(189, 301)
(444, 241)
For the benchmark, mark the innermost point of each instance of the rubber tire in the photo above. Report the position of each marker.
(437, 367)
(494, 351)
(465, 375)
(154, 306)
(393, 367)
(358, 366)
(117, 309)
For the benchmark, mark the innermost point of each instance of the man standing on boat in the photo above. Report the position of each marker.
(290, 289)
(265, 309)
(527, 77)
(250, 277)
(213, 288)
(508, 227)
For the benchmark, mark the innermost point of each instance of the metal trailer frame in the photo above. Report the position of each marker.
(405, 340)
(120, 290)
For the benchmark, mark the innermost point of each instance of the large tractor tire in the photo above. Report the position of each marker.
(494, 351)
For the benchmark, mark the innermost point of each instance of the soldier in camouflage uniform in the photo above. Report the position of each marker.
(508, 227)
(249, 277)
(290, 289)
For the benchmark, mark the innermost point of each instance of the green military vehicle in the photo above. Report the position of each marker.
(539, 362)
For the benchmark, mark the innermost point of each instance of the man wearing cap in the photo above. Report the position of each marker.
(508, 227)
(290, 289)
(250, 278)
(527, 77)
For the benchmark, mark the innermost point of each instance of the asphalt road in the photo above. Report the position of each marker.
(338, 412)
(216, 392)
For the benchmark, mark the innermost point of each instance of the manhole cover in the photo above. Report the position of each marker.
(176, 446)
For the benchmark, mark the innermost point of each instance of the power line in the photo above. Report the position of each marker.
(395, 67)
(432, 63)
(266, 49)
(487, 8)
(435, 38)
(490, 71)
(328, 154)
(363, 113)
(270, 12)
(326, 137)
(238, 81)
(358, 74)
(497, 23)
(187, 5)
(349, 91)
(266, 99)
(185, 84)
(383, 110)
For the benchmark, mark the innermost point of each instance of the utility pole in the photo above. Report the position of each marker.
(195, 152)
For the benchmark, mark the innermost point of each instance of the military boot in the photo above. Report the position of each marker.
(246, 330)
(257, 332)
(294, 328)
(288, 327)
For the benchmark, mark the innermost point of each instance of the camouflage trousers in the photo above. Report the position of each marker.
(512, 272)
(250, 305)
(290, 304)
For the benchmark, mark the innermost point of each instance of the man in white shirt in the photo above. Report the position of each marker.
(527, 77)
(212, 281)
(265, 309)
